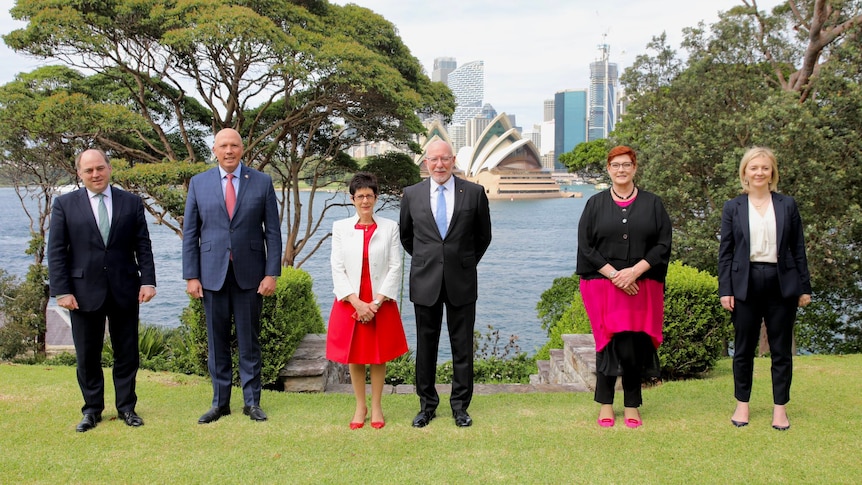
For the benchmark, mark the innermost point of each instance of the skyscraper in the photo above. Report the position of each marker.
(549, 110)
(570, 122)
(442, 67)
(603, 96)
(467, 83)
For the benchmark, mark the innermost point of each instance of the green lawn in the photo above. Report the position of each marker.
(533, 438)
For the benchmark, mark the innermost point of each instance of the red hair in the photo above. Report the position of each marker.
(622, 150)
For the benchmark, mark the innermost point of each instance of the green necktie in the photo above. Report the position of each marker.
(104, 222)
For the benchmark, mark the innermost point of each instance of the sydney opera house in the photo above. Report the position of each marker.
(508, 166)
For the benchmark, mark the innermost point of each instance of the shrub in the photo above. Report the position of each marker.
(492, 363)
(286, 318)
(22, 306)
(696, 328)
(572, 320)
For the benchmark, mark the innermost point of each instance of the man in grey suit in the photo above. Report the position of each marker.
(231, 259)
(446, 228)
(100, 262)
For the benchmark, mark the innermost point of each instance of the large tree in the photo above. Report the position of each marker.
(301, 80)
(790, 80)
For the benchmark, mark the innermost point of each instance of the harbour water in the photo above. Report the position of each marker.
(534, 241)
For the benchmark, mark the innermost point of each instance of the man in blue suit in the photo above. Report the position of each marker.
(100, 262)
(231, 259)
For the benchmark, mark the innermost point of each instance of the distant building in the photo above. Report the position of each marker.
(548, 130)
(549, 110)
(442, 67)
(506, 165)
(604, 80)
(467, 83)
(570, 122)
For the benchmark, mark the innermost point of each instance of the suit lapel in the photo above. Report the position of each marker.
(743, 221)
(82, 204)
(778, 205)
(459, 201)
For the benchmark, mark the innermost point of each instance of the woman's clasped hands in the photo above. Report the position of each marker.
(626, 280)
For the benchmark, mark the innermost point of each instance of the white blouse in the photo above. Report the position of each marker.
(764, 242)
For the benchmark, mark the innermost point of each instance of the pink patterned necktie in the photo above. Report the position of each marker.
(230, 195)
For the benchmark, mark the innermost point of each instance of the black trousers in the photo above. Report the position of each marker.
(632, 356)
(429, 321)
(764, 303)
(88, 334)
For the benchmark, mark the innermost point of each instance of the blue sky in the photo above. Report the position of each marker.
(530, 49)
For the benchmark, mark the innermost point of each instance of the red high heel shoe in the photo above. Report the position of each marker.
(355, 425)
(378, 424)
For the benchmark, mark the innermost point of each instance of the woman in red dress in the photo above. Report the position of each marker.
(365, 325)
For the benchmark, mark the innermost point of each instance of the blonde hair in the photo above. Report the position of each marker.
(751, 154)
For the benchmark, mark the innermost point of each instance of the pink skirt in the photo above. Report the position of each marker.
(611, 310)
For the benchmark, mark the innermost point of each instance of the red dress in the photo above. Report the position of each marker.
(375, 342)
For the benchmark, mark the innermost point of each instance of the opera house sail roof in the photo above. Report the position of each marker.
(508, 166)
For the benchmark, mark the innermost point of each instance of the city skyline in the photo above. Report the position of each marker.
(530, 50)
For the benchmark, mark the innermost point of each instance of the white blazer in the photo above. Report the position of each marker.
(384, 258)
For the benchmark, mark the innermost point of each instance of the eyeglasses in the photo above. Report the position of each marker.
(364, 197)
(625, 165)
(439, 159)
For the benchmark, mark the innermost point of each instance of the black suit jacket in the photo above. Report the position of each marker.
(734, 248)
(453, 259)
(81, 264)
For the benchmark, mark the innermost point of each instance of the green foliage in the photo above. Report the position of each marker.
(23, 311)
(401, 370)
(696, 329)
(286, 318)
(573, 320)
(587, 157)
(556, 299)
(740, 84)
(394, 171)
(492, 363)
(496, 370)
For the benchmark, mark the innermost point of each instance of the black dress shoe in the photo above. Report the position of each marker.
(423, 418)
(214, 414)
(462, 419)
(131, 418)
(88, 422)
(254, 412)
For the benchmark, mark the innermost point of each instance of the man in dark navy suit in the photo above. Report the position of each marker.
(100, 263)
(231, 259)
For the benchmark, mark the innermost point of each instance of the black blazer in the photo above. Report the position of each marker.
(456, 258)
(734, 249)
(609, 235)
(81, 264)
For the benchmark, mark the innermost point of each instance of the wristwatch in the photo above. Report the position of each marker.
(612, 274)
(376, 302)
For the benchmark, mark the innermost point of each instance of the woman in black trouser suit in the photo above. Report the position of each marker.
(762, 276)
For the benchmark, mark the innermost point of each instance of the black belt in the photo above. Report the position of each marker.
(768, 265)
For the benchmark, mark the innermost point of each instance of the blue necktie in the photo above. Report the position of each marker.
(441, 211)
(104, 223)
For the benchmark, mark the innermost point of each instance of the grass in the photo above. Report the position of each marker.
(517, 438)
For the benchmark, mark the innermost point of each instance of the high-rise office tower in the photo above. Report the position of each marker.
(603, 100)
(442, 67)
(570, 122)
(467, 83)
(549, 110)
